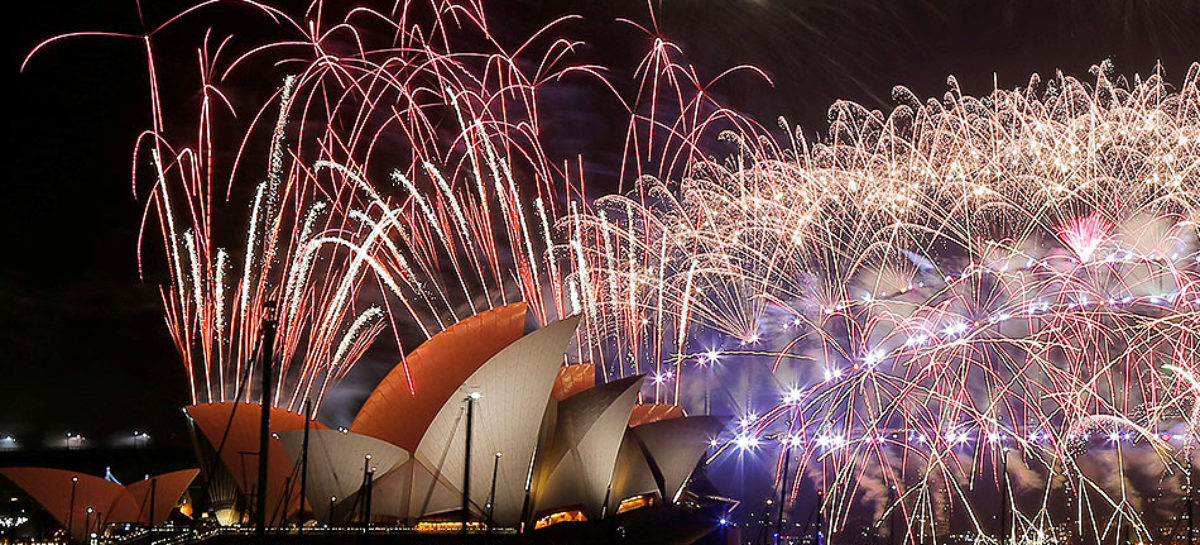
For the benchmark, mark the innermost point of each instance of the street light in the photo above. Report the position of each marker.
(71, 506)
(367, 478)
(491, 505)
(466, 495)
(1004, 496)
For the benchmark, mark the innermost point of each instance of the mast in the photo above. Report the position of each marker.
(264, 430)
(304, 459)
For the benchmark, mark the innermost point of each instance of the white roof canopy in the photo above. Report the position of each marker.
(673, 447)
(578, 462)
(336, 463)
(513, 388)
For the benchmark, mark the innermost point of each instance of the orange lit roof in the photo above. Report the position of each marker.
(53, 490)
(165, 489)
(645, 413)
(234, 435)
(573, 379)
(399, 412)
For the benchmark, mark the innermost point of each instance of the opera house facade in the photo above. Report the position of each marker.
(483, 416)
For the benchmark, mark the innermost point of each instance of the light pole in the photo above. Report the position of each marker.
(787, 458)
(892, 521)
(304, 462)
(364, 506)
(264, 432)
(820, 517)
(370, 492)
(329, 516)
(87, 523)
(1004, 497)
(1191, 493)
(71, 506)
(491, 506)
(153, 491)
(466, 496)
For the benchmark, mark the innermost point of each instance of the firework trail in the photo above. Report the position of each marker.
(939, 287)
(954, 289)
(403, 185)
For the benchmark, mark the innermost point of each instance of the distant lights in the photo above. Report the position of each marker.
(831, 441)
(955, 328)
(746, 442)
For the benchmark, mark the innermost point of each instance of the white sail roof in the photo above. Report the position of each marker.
(660, 456)
(676, 446)
(632, 475)
(578, 462)
(513, 388)
(411, 490)
(336, 463)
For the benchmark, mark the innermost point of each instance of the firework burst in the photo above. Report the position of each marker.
(940, 288)
(972, 293)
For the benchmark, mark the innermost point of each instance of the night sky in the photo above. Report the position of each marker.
(82, 341)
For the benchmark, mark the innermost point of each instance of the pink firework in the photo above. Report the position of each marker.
(1085, 235)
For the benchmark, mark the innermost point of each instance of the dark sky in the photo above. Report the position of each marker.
(82, 343)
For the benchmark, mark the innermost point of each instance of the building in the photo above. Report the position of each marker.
(483, 414)
(86, 504)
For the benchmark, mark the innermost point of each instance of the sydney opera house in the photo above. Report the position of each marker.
(483, 424)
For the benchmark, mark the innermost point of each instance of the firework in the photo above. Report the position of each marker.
(952, 285)
(957, 297)
(399, 184)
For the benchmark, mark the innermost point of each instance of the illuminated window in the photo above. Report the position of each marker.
(636, 502)
(570, 515)
(446, 526)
